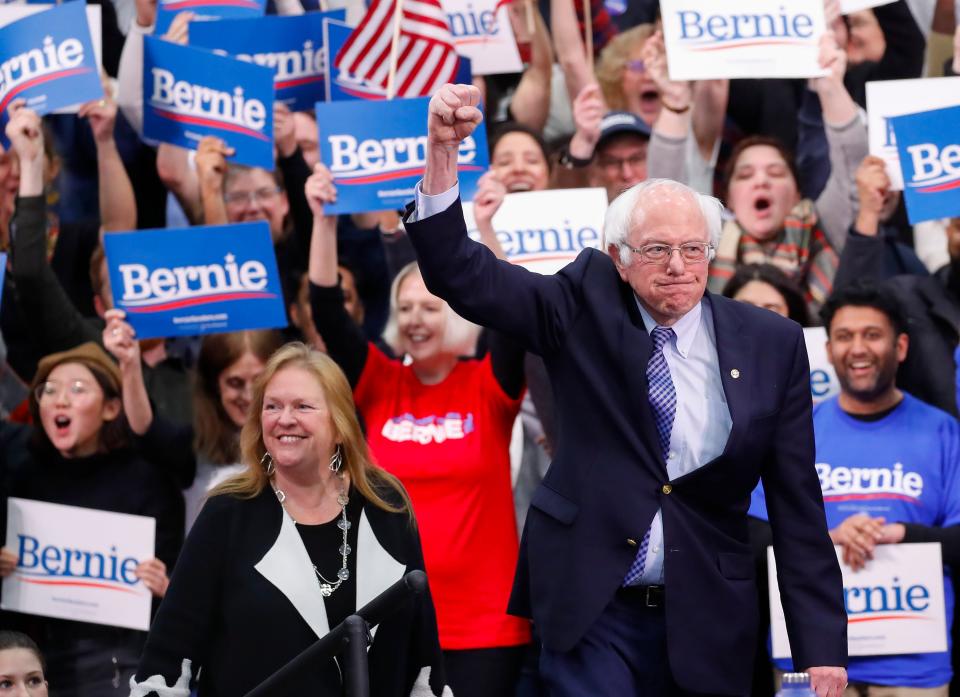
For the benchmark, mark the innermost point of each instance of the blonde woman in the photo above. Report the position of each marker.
(310, 531)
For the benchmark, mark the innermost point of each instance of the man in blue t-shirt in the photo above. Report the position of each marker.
(888, 466)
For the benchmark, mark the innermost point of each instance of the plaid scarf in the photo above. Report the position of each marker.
(801, 251)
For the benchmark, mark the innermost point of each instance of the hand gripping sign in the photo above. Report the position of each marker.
(376, 151)
(709, 39)
(929, 146)
(198, 280)
(206, 10)
(291, 46)
(189, 93)
(47, 58)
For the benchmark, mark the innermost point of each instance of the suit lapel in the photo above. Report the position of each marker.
(733, 354)
(377, 570)
(288, 567)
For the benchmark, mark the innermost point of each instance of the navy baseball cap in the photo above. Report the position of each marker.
(617, 122)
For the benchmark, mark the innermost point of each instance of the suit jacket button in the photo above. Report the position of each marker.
(666, 488)
(632, 542)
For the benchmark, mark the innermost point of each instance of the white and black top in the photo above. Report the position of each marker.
(244, 600)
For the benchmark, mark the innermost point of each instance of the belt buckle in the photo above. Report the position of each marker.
(649, 598)
(653, 596)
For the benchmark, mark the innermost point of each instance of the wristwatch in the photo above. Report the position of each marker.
(568, 161)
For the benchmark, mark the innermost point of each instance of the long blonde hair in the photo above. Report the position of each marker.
(613, 61)
(373, 482)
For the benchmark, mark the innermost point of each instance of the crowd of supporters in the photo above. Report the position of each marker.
(460, 415)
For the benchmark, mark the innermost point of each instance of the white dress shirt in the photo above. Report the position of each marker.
(702, 422)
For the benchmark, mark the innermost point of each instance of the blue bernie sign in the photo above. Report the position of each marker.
(292, 46)
(189, 93)
(206, 10)
(376, 151)
(197, 280)
(47, 59)
(929, 147)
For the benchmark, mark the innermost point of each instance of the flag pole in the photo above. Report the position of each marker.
(588, 30)
(394, 50)
(531, 20)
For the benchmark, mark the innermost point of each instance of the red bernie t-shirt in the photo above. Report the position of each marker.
(448, 444)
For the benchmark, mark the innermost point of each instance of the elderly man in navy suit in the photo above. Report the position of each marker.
(671, 404)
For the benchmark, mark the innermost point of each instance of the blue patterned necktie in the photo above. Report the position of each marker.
(663, 401)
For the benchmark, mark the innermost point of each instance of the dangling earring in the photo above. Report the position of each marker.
(267, 463)
(336, 460)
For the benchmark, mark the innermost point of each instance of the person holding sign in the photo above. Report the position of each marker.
(889, 468)
(635, 562)
(772, 223)
(80, 454)
(311, 531)
(440, 420)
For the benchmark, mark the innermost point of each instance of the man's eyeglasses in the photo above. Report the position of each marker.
(50, 391)
(656, 253)
(240, 198)
(615, 164)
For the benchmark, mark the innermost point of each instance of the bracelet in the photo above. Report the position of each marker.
(675, 110)
(568, 161)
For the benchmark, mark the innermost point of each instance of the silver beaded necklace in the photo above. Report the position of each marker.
(327, 587)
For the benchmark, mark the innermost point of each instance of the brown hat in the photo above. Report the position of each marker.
(89, 354)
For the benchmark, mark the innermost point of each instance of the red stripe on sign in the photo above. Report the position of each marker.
(946, 186)
(868, 497)
(190, 302)
(213, 123)
(297, 82)
(767, 42)
(39, 81)
(876, 618)
(79, 584)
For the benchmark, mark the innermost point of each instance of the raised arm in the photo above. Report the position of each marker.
(344, 339)
(212, 154)
(666, 157)
(120, 339)
(118, 206)
(531, 100)
(571, 53)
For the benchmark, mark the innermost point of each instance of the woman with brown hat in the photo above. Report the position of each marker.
(79, 453)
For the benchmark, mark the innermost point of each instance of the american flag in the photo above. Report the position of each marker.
(426, 58)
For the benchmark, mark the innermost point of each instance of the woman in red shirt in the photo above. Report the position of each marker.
(441, 423)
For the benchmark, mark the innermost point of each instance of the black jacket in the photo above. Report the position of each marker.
(244, 601)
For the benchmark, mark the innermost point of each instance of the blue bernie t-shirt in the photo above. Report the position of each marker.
(913, 458)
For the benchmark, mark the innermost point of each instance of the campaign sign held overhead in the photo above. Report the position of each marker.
(376, 151)
(206, 10)
(481, 31)
(47, 58)
(929, 145)
(710, 39)
(78, 563)
(189, 93)
(291, 46)
(198, 280)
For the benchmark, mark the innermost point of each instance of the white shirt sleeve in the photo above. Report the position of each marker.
(130, 76)
(426, 205)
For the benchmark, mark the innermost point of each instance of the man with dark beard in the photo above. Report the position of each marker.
(889, 467)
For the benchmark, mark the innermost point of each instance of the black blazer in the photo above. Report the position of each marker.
(608, 476)
(243, 601)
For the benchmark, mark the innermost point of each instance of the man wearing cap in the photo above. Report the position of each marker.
(608, 149)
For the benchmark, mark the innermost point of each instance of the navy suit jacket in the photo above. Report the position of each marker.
(608, 476)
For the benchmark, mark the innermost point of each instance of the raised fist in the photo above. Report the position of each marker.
(319, 189)
(453, 115)
(25, 132)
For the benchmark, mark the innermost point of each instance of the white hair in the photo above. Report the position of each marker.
(459, 335)
(624, 213)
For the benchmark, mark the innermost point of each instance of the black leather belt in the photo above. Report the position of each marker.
(647, 596)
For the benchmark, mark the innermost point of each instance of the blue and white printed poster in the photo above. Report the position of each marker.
(48, 59)
(929, 149)
(376, 151)
(206, 10)
(198, 280)
(292, 46)
(189, 93)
